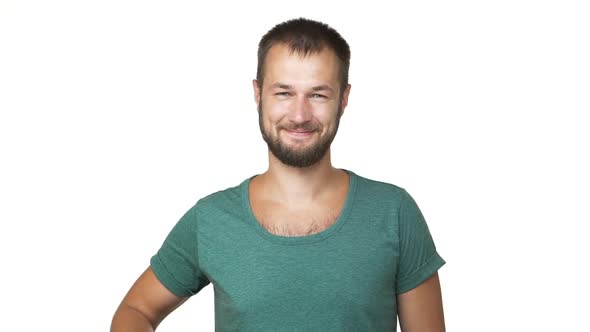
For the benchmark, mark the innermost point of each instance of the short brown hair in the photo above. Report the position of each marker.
(305, 36)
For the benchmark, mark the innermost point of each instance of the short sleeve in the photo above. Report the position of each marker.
(176, 263)
(418, 256)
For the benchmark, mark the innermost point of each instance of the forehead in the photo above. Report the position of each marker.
(296, 69)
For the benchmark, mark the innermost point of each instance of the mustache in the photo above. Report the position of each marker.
(302, 127)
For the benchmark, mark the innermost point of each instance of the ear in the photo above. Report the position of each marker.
(345, 97)
(256, 92)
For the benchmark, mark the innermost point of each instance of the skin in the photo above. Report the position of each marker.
(145, 306)
(300, 175)
(421, 309)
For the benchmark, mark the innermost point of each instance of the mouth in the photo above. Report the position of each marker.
(299, 133)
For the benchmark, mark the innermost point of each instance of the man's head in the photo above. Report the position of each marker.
(301, 89)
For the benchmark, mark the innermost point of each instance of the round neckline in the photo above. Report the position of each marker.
(332, 229)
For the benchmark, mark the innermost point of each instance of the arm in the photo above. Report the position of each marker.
(420, 309)
(146, 304)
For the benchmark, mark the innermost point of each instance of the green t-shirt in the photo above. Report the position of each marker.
(344, 278)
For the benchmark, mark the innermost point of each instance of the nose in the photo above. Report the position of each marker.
(301, 110)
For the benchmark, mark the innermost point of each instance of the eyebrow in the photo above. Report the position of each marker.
(315, 88)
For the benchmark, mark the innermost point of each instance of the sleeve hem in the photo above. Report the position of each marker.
(167, 279)
(434, 263)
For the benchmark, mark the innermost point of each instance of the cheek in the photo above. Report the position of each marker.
(270, 120)
(274, 114)
(329, 123)
(325, 115)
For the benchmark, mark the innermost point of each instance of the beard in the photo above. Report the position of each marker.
(298, 157)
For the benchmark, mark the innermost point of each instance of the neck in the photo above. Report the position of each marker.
(297, 187)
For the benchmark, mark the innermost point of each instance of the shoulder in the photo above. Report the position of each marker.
(223, 199)
(380, 190)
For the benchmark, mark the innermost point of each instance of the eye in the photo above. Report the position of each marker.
(317, 95)
(281, 94)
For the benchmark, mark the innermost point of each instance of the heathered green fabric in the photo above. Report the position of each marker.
(344, 278)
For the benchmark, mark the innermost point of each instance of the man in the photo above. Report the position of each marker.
(303, 246)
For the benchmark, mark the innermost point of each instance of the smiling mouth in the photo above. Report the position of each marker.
(299, 133)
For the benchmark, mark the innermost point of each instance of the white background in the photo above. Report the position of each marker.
(116, 116)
